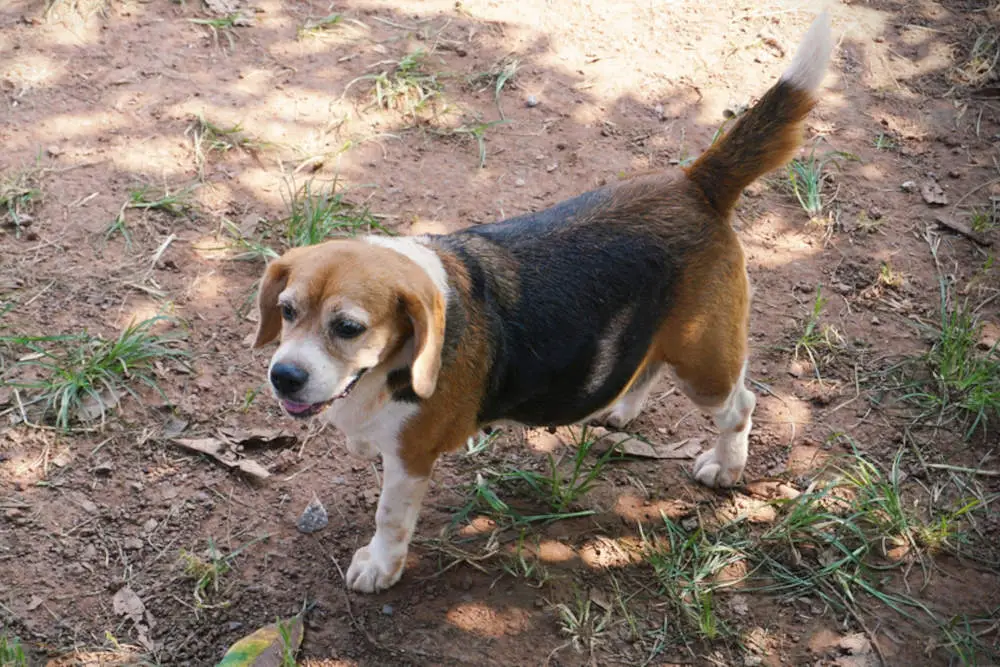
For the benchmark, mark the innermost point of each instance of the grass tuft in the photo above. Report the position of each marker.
(809, 176)
(78, 374)
(11, 652)
(317, 213)
(475, 131)
(980, 66)
(209, 138)
(147, 198)
(407, 86)
(502, 74)
(316, 27)
(20, 194)
(959, 380)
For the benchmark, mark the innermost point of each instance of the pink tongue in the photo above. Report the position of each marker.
(296, 408)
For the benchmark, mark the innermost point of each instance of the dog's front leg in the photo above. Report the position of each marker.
(379, 565)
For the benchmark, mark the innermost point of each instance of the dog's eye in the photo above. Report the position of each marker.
(288, 312)
(347, 328)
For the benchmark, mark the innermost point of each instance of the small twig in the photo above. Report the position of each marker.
(974, 190)
(971, 471)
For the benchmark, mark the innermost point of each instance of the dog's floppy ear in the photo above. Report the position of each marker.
(269, 321)
(426, 312)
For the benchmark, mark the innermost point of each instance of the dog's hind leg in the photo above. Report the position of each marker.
(634, 400)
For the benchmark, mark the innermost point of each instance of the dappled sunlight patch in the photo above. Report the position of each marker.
(144, 309)
(552, 551)
(779, 250)
(165, 156)
(479, 525)
(480, 619)
(82, 126)
(606, 552)
(207, 287)
(29, 71)
(805, 458)
(635, 509)
(753, 510)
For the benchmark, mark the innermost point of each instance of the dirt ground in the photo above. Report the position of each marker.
(101, 98)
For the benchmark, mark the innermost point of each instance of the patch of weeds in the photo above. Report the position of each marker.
(559, 489)
(583, 624)
(317, 213)
(528, 568)
(807, 178)
(11, 652)
(480, 443)
(687, 566)
(963, 637)
(224, 25)
(406, 86)
(504, 72)
(208, 569)
(316, 27)
(20, 194)
(980, 66)
(287, 645)
(984, 221)
(147, 198)
(208, 138)
(889, 277)
(868, 224)
(475, 131)
(885, 142)
(816, 338)
(247, 249)
(958, 380)
(80, 374)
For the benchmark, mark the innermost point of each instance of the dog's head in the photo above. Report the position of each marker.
(342, 308)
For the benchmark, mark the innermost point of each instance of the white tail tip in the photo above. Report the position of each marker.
(809, 64)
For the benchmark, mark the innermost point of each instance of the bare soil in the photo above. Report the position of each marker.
(101, 97)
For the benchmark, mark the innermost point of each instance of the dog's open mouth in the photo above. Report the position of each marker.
(303, 410)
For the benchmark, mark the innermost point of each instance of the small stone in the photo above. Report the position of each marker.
(933, 194)
(133, 544)
(875, 213)
(954, 173)
(313, 518)
(234, 625)
(531, 101)
(690, 523)
(658, 110)
(909, 186)
(54, 151)
(104, 468)
(387, 610)
(150, 526)
(876, 321)
(135, 486)
(89, 552)
(519, 182)
(552, 167)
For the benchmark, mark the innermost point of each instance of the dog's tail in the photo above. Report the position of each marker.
(767, 135)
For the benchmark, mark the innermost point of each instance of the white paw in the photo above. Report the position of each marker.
(371, 572)
(713, 470)
(622, 414)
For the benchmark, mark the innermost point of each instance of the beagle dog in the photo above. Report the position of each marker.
(411, 345)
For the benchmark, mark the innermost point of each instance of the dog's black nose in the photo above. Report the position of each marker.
(288, 379)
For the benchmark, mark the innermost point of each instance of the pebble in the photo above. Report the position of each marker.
(519, 182)
(313, 518)
(531, 101)
(908, 186)
(387, 610)
(133, 544)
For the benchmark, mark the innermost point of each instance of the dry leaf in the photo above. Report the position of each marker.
(629, 445)
(933, 194)
(127, 603)
(267, 646)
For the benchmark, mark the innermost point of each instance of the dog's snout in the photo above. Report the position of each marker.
(288, 378)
